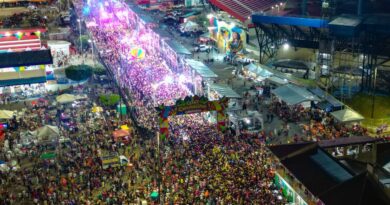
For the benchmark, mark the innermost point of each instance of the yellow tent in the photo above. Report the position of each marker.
(97, 109)
(65, 98)
(6, 114)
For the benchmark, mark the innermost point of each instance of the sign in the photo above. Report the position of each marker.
(191, 105)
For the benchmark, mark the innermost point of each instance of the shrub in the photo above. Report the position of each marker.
(78, 72)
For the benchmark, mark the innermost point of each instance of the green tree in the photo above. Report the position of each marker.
(99, 70)
(84, 41)
(78, 72)
(109, 100)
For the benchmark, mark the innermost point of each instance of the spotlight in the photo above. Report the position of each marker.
(286, 46)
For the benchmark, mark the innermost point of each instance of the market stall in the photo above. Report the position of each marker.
(6, 114)
(121, 136)
(256, 72)
(65, 98)
(246, 122)
(295, 95)
(347, 116)
(217, 91)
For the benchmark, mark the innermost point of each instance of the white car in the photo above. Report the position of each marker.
(203, 48)
(245, 60)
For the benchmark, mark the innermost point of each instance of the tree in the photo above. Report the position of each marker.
(84, 41)
(78, 72)
(109, 100)
(99, 70)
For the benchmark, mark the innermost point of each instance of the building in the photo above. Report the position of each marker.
(307, 174)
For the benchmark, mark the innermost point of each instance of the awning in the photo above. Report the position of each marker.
(65, 98)
(242, 9)
(278, 80)
(224, 90)
(26, 58)
(347, 115)
(120, 133)
(178, 48)
(201, 69)
(292, 94)
(6, 114)
(258, 70)
(288, 63)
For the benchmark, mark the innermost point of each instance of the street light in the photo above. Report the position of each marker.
(81, 43)
(93, 53)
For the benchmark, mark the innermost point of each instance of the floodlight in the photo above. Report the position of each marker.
(286, 46)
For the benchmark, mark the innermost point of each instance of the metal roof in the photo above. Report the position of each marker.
(201, 68)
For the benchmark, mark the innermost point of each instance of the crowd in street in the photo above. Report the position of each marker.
(196, 164)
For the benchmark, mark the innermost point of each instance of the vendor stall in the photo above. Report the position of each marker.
(65, 98)
(256, 72)
(217, 91)
(295, 95)
(121, 136)
(347, 116)
(246, 122)
(6, 114)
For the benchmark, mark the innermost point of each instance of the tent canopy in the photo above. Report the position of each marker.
(65, 98)
(97, 109)
(178, 48)
(258, 70)
(278, 80)
(6, 114)
(347, 115)
(120, 133)
(47, 132)
(48, 155)
(201, 69)
(224, 90)
(292, 94)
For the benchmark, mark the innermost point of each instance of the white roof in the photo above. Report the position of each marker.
(292, 94)
(347, 115)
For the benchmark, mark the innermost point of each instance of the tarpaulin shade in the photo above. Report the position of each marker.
(347, 115)
(292, 94)
(224, 90)
(201, 69)
(120, 133)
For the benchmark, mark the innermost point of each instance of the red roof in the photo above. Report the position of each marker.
(242, 9)
(26, 42)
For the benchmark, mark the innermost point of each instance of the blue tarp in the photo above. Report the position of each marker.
(22, 81)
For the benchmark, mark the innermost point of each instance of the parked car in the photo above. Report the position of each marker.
(203, 48)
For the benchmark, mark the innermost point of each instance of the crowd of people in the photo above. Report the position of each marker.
(198, 164)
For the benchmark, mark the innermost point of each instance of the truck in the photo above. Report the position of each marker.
(114, 161)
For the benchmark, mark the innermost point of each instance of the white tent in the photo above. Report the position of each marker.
(65, 98)
(292, 94)
(6, 114)
(347, 115)
(47, 132)
(189, 26)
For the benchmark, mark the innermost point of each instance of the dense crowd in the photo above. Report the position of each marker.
(199, 164)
